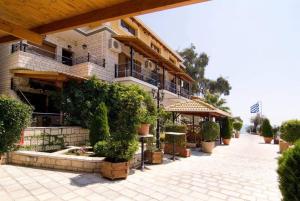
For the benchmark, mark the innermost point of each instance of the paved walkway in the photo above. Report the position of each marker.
(245, 170)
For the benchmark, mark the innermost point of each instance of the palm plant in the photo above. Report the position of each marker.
(216, 101)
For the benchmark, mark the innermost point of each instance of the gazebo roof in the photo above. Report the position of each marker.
(197, 107)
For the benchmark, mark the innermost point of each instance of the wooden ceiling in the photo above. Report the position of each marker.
(31, 19)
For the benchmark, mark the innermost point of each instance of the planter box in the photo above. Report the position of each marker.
(283, 145)
(181, 151)
(114, 170)
(155, 157)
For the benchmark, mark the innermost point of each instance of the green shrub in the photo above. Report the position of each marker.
(226, 129)
(290, 131)
(237, 125)
(210, 131)
(14, 117)
(175, 128)
(266, 128)
(99, 129)
(289, 174)
(116, 151)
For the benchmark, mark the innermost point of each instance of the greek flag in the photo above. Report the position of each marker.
(254, 108)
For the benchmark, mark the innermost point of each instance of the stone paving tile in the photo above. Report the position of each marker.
(245, 170)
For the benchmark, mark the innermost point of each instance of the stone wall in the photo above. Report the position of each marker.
(55, 161)
(53, 138)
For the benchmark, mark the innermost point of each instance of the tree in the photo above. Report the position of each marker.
(257, 121)
(216, 101)
(195, 66)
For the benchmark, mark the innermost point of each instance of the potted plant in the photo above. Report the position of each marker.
(117, 156)
(290, 133)
(146, 119)
(14, 117)
(275, 130)
(152, 154)
(266, 131)
(210, 132)
(237, 125)
(226, 130)
(148, 113)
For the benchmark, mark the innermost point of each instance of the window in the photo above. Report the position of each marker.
(155, 48)
(127, 27)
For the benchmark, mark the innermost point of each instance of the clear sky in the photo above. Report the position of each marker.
(253, 43)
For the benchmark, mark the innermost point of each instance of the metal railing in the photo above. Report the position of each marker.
(170, 86)
(40, 119)
(124, 70)
(185, 93)
(70, 61)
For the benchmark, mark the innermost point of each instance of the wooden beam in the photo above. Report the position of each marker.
(118, 11)
(20, 32)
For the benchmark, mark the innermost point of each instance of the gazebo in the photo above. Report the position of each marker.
(196, 107)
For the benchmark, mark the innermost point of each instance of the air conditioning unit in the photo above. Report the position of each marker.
(114, 45)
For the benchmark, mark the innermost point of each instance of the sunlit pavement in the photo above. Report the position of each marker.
(245, 170)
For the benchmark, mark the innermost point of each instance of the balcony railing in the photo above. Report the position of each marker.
(70, 61)
(123, 70)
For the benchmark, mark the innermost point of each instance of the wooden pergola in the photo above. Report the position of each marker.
(31, 20)
(196, 107)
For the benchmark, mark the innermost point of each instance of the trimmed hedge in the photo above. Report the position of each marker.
(290, 131)
(227, 129)
(266, 128)
(99, 128)
(237, 125)
(14, 117)
(179, 140)
(289, 174)
(210, 131)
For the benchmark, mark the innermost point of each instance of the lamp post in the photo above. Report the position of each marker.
(159, 96)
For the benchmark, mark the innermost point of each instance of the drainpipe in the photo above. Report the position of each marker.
(131, 60)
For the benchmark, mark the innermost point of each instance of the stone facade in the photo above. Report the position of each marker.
(53, 138)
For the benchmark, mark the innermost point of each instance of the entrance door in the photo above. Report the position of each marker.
(67, 57)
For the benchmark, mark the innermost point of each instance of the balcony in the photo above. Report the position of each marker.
(35, 58)
(149, 79)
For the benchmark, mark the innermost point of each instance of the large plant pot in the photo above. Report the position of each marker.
(226, 141)
(268, 140)
(184, 152)
(237, 135)
(114, 170)
(144, 129)
(207, 147)
(154, 157)
(283, 145)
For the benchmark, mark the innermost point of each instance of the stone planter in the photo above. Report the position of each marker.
(226, 141)
(207, 147)
(154, 157)
(114, 170)
(268, 140)
(237, 135)
(283, 145)
(144, 129)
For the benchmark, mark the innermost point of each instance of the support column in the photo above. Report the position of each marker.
(164, 77)
(131, 61)
(175, 77)
(180, 83)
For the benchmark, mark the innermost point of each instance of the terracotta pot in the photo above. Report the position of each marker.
(226, 141)
(114, 170)
(283, 145)
(207, 147)
(153, 157)
(144, 129)
(237, 135)
(268, 140)
(185, 152)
